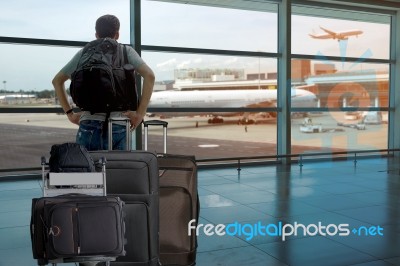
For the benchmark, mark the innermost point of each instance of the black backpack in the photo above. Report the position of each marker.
(70, 157)
(104, 81)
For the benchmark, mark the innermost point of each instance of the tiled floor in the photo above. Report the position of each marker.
(331, 193)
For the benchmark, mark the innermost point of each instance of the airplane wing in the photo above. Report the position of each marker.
(321, 36)
(332, 33)
(328, 35)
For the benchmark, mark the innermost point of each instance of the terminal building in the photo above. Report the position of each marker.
(17, 98)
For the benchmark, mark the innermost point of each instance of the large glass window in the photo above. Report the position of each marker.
(25, 137)
(326, 32)
(180, 25)
(341, 85)
(60, 20)
(339, 131)
(26, 75)
(216, 75)
(29, 69)
(197, 69)
(250, 134)
(352, 92)
(215, 82)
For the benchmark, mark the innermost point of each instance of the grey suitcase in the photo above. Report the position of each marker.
(133, 176)
(179, 203)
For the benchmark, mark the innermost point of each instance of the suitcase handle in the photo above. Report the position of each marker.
(112, 120)
(155, 123)
(148, 123)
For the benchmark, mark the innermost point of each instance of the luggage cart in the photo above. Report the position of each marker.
(90, 183)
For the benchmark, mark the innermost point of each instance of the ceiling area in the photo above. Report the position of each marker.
(368, 10)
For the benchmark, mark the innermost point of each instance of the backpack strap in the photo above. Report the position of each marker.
(123, 54)
(131, 77)
(126, 61)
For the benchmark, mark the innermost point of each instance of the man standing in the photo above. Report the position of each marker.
(90, 133)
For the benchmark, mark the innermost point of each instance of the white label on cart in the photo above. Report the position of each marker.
(68, 179)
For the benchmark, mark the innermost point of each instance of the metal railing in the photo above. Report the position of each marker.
(238, 161)
(300, 157)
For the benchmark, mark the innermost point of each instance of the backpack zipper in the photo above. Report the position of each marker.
(78, 242)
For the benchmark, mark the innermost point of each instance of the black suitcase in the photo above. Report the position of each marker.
(77, 228)
(68, 225)
(133, 176)
(179, 203)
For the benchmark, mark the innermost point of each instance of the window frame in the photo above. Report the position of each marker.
(283, 55)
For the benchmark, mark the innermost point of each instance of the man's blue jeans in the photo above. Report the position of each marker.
(90, 136)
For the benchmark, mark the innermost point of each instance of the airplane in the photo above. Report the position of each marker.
(340, 35)
(226, 99)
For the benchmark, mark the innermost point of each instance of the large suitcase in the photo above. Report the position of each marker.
(179, 203)
(77, 228)
(133, 176)
(75, 221)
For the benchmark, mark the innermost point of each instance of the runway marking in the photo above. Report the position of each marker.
(208, 145)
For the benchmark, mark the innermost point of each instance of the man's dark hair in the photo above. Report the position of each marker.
(107, 26)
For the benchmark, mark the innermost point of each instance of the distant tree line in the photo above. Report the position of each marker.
(39, 94)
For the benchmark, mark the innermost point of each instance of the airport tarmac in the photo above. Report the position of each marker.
(26, 137)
